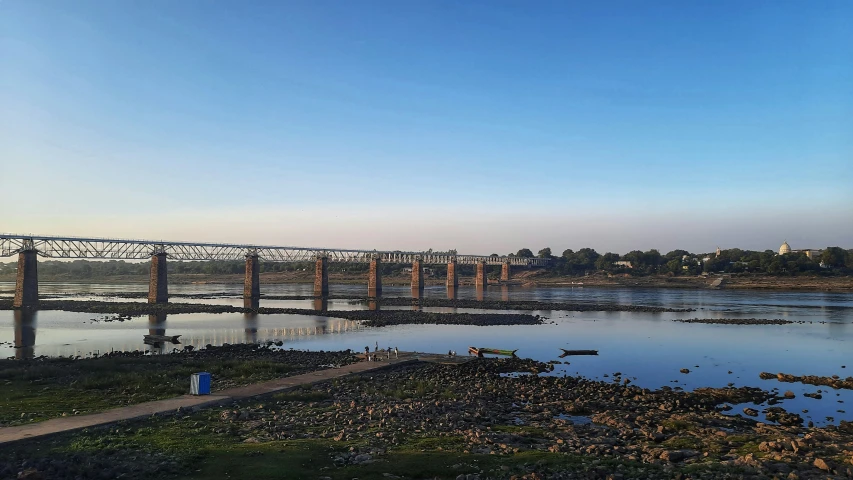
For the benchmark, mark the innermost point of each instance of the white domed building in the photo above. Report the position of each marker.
(812, 253)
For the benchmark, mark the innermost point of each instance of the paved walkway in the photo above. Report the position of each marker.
(65, 424)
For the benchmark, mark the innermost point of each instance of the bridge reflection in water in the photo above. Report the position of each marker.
(131, 339)
(25, 333)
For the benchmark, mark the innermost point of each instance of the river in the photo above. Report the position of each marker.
(648, 348)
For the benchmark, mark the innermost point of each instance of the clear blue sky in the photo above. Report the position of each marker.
(478, 125)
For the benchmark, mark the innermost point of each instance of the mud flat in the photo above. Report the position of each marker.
(737, 321)
(529, 305)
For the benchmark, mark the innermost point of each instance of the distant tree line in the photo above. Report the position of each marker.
(832, 260)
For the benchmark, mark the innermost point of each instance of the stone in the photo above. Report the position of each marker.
(750, 411)
(821, 464)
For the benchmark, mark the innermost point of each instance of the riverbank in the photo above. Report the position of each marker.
(731, 282)
(488, 418)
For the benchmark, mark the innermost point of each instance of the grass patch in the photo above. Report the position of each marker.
(32, 391)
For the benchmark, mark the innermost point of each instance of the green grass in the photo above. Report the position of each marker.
(50, 388)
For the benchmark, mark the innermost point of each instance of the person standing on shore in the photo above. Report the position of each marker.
(396, 353)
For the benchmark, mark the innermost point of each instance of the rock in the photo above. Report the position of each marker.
(789, 394)
(750, 411)
(684, 370)
(30, 474)
(821, 464)
(361, 458)
(672, 455)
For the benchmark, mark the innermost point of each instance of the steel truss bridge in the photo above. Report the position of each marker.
(121, 249)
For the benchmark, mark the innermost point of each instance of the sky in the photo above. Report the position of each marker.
(482, 125)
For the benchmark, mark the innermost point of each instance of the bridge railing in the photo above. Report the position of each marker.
(122, 249)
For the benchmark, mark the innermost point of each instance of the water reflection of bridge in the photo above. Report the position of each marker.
(25, 335)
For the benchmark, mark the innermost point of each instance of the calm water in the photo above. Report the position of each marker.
(647, 347)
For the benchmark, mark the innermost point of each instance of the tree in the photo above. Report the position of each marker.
(524, 253)
(545, 253)
(674, 266)
(834, 257)
(606, 261)
(676, 254)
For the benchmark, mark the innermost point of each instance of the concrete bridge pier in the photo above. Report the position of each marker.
(506, 272)
(480, 280)
(321, 276)
(452, 276)
(26, 280)
(158, 282)
(252, 282)
(374, 278)
(417, 275)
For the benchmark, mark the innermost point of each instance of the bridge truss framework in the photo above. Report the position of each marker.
(121, 249)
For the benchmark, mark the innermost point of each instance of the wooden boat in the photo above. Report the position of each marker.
(494, 351)
(566, 353)
(161, 339)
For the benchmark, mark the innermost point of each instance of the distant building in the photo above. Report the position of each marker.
(623, 263)
(812, 253)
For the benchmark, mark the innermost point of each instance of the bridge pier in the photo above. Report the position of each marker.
(506, 272)
(374, 278)
(158, 282)
(252, 282)
(321, 276)
(26, 280)
(452, 276)
(480, 275)
(417, 275)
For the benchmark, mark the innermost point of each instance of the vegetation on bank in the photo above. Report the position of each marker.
(44, 388)
(832, 261)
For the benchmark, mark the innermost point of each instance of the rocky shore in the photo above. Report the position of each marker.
(496, 419)
(835, 381)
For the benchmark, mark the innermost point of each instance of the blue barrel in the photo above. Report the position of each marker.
(200, 384)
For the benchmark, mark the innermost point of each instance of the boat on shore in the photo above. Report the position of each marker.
(493, 351)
